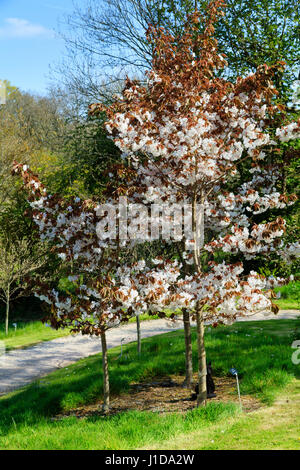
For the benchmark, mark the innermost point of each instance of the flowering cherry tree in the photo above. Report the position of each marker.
(89, 303)
(188, 133)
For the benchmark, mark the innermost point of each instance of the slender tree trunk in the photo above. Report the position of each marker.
(7, 317)
(284, 173)
(188, 349)
(202, 395)
(139, 339)
(198, 230)
(105, 406)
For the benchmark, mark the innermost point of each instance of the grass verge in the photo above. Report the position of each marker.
(28, 334)
(289, 296)
(287, 304)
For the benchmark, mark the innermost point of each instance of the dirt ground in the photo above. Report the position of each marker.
(166, 395)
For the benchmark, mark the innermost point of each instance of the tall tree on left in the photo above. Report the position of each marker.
(17, 263)
(82, 296)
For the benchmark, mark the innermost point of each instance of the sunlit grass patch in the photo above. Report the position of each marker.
(27, 334)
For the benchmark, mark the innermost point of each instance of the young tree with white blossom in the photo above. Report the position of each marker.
(88, 302)
(17, 264)
(187, 133)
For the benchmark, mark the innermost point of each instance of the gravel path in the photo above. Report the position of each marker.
(22, 366)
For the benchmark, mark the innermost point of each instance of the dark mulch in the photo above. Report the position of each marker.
(165, 395)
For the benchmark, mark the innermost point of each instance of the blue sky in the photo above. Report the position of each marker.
(29, 40)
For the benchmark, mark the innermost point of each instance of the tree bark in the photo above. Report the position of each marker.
(188, 349)
(7, 317)
(202, 395)
(198, 230)
(138, 330)
(105, 406)
(284, 173)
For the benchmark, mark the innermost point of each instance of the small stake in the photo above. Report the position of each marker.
(234, 372)
(123, 339)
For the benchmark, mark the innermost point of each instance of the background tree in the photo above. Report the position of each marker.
(110, 37)
(17, 262)
(259, 31)
(31, 129)
(87, 154)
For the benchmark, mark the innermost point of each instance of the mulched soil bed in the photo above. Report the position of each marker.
(165, 395)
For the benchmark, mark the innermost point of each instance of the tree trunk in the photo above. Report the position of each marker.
(198, 231)
(105, 406)
(7, 317)
(139, 339)
(284, 173)
(202, 395)
(188, 349)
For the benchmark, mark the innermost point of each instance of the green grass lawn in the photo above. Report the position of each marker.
(272, 428)
(261, 351)
(287, 304)
(28, 334)
(289, 296)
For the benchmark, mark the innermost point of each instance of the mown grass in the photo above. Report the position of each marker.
(28, 334)
(261, 351)
(275, 427)
(124, 431)
(289, 296)
(287, 304)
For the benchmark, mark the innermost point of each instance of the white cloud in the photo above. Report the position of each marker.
(19, 28)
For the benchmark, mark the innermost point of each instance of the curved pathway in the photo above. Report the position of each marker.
(22, 366)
